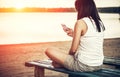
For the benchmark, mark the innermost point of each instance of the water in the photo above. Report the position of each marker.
(44, 27)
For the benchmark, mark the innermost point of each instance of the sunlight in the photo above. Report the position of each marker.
(19, 6)
(36, 3)
(52, 3)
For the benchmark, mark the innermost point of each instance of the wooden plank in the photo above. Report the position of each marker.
(63, 70)
(112, 61)
(99, 73)
(105, 72)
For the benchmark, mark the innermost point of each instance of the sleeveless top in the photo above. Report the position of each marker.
(90, 49)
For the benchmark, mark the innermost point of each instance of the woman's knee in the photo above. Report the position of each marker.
(48, 51)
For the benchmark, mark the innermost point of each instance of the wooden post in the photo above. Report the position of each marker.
(39, 72)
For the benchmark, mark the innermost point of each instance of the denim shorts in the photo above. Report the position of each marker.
(75, 65)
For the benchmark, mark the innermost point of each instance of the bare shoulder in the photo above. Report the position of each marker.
(81, 23)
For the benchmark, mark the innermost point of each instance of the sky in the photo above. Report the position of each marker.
(53, 3)
(37, 3)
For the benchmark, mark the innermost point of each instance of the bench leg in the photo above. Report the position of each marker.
(39, 72)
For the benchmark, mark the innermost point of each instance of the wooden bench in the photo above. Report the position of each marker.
(40, 67)
(112, 61)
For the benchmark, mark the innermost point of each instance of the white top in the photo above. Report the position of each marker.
(90, 50)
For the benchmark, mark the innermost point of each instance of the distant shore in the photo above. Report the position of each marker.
(100, 9)
(34, 43)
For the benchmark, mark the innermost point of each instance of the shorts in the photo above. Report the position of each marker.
(75, 65)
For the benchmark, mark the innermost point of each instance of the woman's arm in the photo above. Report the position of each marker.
(79, 30)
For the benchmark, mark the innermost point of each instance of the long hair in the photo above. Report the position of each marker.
(87, 8)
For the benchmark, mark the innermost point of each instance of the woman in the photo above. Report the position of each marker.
(86, 52)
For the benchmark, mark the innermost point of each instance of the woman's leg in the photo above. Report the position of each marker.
(56, 55)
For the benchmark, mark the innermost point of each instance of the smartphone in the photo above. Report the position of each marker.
(64, 26)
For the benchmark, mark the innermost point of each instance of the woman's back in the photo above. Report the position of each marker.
(90, 50)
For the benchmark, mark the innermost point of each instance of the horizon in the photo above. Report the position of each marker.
(60, 9)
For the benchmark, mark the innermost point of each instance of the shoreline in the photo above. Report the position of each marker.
(34, 43)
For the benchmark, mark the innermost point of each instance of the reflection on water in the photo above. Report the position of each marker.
(41, 27)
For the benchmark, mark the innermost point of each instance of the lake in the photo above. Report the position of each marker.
(18, 28)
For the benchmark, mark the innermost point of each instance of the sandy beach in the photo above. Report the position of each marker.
(13, 57)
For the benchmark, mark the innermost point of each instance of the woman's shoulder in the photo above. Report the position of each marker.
(80, 22)
(83, 20)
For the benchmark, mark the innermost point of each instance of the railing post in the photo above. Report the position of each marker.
(39, 72)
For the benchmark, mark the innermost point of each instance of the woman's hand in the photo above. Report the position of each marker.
(72, 52)
(69, 31)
